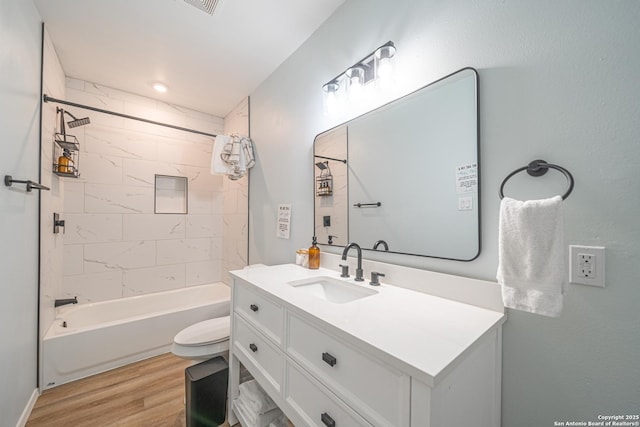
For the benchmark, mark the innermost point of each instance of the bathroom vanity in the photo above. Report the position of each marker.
(332, 352)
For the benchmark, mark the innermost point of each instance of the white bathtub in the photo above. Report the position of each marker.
(104, 335)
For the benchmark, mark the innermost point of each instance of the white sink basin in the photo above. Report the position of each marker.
(333, 290)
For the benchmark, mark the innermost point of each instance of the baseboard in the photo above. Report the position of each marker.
(27, 409)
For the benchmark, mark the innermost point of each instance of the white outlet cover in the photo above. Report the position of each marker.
(574, 265)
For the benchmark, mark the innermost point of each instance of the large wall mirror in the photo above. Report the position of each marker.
(405, 175)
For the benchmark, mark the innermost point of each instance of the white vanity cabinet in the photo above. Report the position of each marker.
(397, 358)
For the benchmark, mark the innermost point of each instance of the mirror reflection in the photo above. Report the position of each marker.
(404, 177)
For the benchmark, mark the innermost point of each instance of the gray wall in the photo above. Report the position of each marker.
(558, 81)
(20, 36)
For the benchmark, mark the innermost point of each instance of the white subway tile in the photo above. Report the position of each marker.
(142, 172)
(101, 198)
(183, 251)
(73, 260)
(185, 153)
(100, 169)
(119, 256)
(201, 179)
(92, 228)
(73, 196)
(119, 95)
(230, 201)
(154, 227)
(98, 101)
(204, 226)
(216, 248)
(206, 124)
(200, 273)
(76, 84)
(118, 142)
(93, 287)
(155, 279)
(200, 202)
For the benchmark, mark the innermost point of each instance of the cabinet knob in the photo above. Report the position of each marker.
(253, 307)
(253, 347)
(327, 420)
(331, 361)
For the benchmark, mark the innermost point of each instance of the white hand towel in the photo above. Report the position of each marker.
(256, 399)
(218, 166)
(531, 266)
(281, 421)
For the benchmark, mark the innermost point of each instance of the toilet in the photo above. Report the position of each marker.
(204, 340)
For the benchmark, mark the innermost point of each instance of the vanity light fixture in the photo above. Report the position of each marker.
(383, 57)
(375, 66)
(330, 92)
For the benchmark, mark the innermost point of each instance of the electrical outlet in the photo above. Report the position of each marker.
(587, 265)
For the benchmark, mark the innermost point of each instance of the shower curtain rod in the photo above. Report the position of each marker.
(47, 98)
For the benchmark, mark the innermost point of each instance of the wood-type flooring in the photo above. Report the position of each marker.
(147, 393)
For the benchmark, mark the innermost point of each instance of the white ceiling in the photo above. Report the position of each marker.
(210, 63)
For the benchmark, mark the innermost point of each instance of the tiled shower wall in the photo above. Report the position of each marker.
(235, 236)
(114, 244)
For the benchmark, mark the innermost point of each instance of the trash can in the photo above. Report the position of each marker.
(206, 392)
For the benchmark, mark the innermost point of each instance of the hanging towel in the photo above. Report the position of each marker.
(218, 166)
(232, 156)
(531, 267)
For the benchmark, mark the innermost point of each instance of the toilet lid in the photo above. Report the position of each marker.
(203, 333)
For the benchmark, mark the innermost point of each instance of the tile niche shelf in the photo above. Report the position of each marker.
(66, 147)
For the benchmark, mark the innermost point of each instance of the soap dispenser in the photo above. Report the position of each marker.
(65, 163)
(314, 255)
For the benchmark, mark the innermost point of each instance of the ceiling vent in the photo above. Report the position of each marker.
(204, 5)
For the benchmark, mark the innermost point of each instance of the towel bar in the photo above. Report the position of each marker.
(8, 180)
(361, 205)
(539, 168)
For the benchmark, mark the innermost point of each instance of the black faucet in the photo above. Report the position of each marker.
(60, 302)
(359, 277)
(381, 242)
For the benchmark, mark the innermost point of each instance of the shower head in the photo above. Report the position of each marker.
(322, 165)
(204, 5)
(76, 121)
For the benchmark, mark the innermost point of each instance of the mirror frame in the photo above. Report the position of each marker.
(478, 170)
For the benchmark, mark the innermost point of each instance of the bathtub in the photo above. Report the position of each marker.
(86, 339)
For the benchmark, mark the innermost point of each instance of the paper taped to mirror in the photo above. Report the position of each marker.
(467, 178)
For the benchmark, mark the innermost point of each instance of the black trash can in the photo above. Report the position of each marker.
(206, 392)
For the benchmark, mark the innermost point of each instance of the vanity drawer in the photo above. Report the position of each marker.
(257, 352)
(378, 392)
(263, 313)
(315, 405)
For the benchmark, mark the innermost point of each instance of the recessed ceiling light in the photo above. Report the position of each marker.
(160, 87)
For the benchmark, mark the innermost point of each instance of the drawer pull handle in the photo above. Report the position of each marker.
(327, 420)
(253, 347)
(331, 361)
(253, 307)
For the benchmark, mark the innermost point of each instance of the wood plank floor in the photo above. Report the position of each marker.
(146, 393)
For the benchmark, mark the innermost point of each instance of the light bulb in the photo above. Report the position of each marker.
(160, 87)
(356, 82)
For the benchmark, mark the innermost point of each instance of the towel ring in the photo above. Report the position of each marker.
(538, 168)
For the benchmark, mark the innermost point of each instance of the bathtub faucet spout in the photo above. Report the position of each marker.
(60, 302)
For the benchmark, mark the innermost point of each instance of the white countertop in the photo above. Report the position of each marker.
(416, 332)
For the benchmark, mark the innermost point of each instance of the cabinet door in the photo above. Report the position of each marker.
(378, 392)
(314, 404)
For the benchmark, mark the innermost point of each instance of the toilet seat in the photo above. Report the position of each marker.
(203, 333)
(203, 340)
